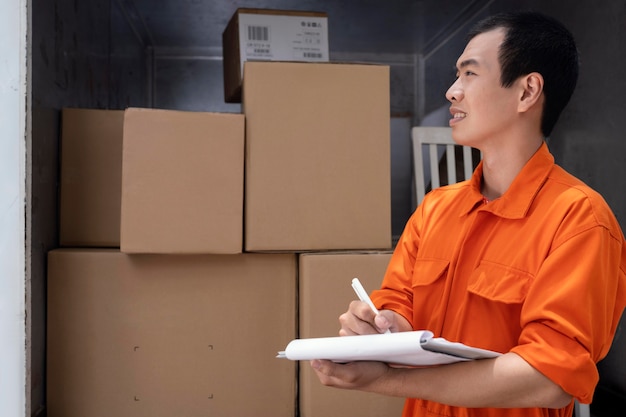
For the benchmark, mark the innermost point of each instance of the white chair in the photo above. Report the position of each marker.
(581, 410)
(438, 141)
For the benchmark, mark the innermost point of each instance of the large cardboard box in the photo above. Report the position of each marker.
(325, 292)
(158, 335)
(182, 182)
(317, 156)
(90, 177)
(270, 35)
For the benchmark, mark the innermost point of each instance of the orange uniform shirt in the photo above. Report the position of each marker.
(540, 272)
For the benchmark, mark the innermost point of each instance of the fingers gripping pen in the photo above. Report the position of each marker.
(362, 294)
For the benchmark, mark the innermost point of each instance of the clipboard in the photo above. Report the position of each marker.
(414, 348)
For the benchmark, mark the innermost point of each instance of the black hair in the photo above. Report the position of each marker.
(535, 42)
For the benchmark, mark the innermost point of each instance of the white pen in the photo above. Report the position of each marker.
(362, 294)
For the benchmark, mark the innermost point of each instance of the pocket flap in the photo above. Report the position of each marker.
(500, 283)
(427, 271)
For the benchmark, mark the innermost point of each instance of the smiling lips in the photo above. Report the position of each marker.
(457, 116)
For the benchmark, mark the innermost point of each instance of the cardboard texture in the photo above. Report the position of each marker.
(325, 293)
(182, 182)
(317, 156)
(270, 35)
(90, 177)
(154, 335)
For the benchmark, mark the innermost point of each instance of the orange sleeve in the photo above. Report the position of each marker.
(573, 308)
(396, 292)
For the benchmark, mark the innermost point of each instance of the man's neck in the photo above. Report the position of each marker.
(502, 165)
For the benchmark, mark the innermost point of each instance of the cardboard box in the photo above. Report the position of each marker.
(90, 177)
(182, 182)
(270, 35)
(325, 293)
(156, 335)
(317, 156)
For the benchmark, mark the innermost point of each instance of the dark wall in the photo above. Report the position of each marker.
(589, 140)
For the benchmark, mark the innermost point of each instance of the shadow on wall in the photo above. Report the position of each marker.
(610, 396)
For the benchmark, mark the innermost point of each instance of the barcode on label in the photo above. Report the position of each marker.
(258, 33)
(312, 54)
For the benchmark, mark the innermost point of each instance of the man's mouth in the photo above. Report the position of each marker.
(459, 115)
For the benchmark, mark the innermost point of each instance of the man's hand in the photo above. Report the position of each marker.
(360, 319)
(363, 376)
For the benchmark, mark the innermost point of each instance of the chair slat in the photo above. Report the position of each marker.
(432, 137)
(451, 162)
(434, 166)
(467, 162)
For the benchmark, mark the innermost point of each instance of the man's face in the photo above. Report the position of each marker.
(482, 110)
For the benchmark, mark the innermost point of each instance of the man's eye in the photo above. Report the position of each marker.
(464, 74)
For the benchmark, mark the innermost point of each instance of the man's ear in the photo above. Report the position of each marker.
(532, 91)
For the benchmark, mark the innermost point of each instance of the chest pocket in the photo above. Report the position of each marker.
(500, 283)
(427, 271)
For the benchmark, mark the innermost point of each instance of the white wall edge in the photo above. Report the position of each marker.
(13, 136)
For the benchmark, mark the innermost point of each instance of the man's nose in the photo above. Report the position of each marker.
(455, 92)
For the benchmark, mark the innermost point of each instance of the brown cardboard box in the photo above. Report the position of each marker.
(325, 292)
(270, 35)
(317, 156)
(158, 335)
(90, 177)
(182, 182)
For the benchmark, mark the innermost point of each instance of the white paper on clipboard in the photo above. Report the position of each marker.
(415, 348)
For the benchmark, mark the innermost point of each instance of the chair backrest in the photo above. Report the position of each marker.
(438, 140)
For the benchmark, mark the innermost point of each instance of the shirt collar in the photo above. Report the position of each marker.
(516, 201)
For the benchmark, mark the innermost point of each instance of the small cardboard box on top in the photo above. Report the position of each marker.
(158, 335)
(270, 35)
(90, 177)
(182, 182)
(325, 293)
(317, 156)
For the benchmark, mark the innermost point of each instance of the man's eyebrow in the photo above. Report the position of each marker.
(465, 63)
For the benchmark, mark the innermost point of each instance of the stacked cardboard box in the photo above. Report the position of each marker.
(317, 168)
(182, 182)
(151, 335)
(317, 156)
(185, 311)
(90, 177)
(324, 293)
(167, 181)
(270, 35)
(138, 331)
